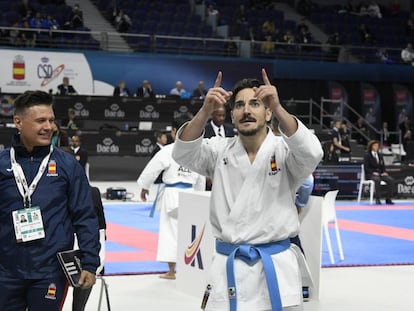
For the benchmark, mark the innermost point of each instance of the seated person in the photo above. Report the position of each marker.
(375, 170)
(65, 88)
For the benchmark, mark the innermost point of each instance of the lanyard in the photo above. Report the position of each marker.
(25, 190)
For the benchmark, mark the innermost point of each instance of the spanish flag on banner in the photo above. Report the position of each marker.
(19, 69)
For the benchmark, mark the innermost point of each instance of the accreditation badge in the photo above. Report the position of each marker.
(28, 224)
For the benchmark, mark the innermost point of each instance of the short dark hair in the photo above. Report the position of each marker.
(31, 98)
(159, 133)
(241, 85)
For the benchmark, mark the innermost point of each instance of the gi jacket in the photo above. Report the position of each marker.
(64, 197)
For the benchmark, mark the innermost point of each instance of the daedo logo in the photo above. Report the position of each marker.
(193, 250)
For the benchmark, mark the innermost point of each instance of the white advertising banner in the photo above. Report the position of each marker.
(196, 245)
(43, 70)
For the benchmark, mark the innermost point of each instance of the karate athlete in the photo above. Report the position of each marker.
(175, 177)
(50, 188)
(252, 208)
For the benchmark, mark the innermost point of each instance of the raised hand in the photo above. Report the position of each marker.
(267, 93)
(216, 96)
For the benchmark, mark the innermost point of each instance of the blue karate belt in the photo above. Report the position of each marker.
(250, 254)
(181, 185)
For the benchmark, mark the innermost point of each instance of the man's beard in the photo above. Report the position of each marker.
(251, 132)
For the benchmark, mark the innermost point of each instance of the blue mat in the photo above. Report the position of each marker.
(360, 248)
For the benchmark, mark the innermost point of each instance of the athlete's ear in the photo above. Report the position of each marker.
(268, 115)
(17, 120)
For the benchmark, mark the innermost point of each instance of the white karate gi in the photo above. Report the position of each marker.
(167, 202)
(253, 204)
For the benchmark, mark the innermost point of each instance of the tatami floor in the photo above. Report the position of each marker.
(380, 288)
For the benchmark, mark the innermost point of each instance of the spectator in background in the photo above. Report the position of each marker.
(268, 46)
(178, 90)
(76, 17)
(375, 170)
(51, 24)
(407, 129)
(200, 92)
(161, 140)
(70, 121)
(407, 54)
(37, 21)
(81, 154)
(60, 137)
(212, 12)
(374, 10)
(145, 90)
(241, 22)
(345, 138)
(361, 131)
(121, 90)
(386, 138)
(337, 148)
(290, 39)
(122, 21)
(65, 88)
(217, 125)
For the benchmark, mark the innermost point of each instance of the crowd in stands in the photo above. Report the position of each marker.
(38, 23)
(383, 34)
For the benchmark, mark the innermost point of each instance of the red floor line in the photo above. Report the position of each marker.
(379, 230)
(132, 237)
(373, 207)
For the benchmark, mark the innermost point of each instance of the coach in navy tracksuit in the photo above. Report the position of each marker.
(50, 188)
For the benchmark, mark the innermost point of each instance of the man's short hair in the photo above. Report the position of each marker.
(241, 85)
(31, 98)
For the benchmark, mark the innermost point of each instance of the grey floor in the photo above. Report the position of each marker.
(382, 288)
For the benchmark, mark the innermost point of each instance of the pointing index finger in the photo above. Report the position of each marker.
(265, 78)
(217, 83)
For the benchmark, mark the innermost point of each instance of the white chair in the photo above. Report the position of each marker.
(398, 152)
(364, 182)
(329, 216)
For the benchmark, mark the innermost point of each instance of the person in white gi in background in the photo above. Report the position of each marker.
(175, 177)
(252, 207)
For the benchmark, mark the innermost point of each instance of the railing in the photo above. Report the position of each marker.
(153, 43)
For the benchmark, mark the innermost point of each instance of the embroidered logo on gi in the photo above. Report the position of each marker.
(51, 168)
(273, 166)
(51, 292)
